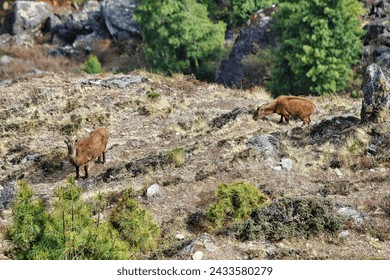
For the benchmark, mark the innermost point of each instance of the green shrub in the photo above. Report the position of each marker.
(92, 65)
(135, 224)
(67, 232)
(288, 217)
(235, 202)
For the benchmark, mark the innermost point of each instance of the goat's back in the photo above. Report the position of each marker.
(95, 144)
(298, 106)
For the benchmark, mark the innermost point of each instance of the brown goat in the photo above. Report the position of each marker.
(81, 152)
(287, 106)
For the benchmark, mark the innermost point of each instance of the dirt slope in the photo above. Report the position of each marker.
(213, 125)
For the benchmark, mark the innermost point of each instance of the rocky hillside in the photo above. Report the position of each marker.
(336, 158)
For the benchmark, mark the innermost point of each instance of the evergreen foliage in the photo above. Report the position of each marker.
(235, 202)
(242, 9)
(179, 36)
(318, 42)
(235, 12)
(68, 232)
(92, 65)
(135, 224)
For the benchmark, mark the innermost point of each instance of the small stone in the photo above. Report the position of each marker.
(286, 164)
(179, 236)
(135, 143)
(338, 172)
(197, 256)
(344, 234)
(277, 168)
(152, 190)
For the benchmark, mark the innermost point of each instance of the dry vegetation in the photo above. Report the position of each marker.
(189, 137)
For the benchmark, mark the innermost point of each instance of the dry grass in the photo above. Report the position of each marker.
(39, 111)
(28, 60)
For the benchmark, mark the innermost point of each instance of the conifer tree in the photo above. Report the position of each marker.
(179, 36)
(67, 232)
(318, 42)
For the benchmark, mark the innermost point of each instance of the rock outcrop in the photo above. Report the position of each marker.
(118, 17)
(72, 30)
(255, 36)
(376, 99)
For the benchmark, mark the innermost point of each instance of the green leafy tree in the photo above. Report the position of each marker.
(318, 42)
(179, 36)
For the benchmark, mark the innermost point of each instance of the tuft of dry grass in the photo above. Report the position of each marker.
(356, 144)
(28, 60)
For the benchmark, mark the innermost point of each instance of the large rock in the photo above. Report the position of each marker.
(82, 28)
(377, 41)
(118, 16)
(269, 147)
(377, 8)
(376, 99)
(30, 16)
(256, 36)
(7, 193)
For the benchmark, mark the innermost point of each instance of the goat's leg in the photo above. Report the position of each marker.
(86, 170)
(77, 172)
(104, 157)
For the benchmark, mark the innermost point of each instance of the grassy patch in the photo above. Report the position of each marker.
(177, 156)
(153, 94)
(73, 125)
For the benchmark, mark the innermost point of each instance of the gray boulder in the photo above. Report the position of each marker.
(376, 41)
(117, 82)
(78, 25)
(255, 36)
(269, 147)
(30, 16)
(118, 16)
(376, 98)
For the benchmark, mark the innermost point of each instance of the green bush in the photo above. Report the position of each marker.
(288, 217)
(318, 42)
(135, 224)
(178, 35)
(92, 65)
(235, 202)
(68, 232)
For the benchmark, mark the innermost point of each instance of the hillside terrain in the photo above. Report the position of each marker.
(335, 158)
